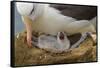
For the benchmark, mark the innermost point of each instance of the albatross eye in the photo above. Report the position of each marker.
(32, 10)
(61, 36)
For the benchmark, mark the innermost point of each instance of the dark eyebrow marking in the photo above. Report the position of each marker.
(32, 10)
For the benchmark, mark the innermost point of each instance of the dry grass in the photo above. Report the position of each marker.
(35, 56)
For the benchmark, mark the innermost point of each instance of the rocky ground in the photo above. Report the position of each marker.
(86, 52)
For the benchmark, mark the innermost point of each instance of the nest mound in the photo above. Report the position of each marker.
(86, 52)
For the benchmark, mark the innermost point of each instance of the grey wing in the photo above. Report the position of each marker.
(77, 11)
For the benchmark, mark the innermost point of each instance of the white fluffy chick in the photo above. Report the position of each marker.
(56, 44)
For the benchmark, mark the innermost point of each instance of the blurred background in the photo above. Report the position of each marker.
(19, 25)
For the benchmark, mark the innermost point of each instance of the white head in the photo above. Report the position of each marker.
(32, 10)
(61, 36)
(63, 40)
(24, 8)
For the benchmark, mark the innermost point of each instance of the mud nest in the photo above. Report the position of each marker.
(24, 55)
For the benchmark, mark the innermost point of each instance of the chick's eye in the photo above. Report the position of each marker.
(61, 36)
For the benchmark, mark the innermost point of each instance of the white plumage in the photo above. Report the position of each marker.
(24, 8)
(54, 44)
(49, 20)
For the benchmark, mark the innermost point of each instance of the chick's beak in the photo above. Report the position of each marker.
(61, 36)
